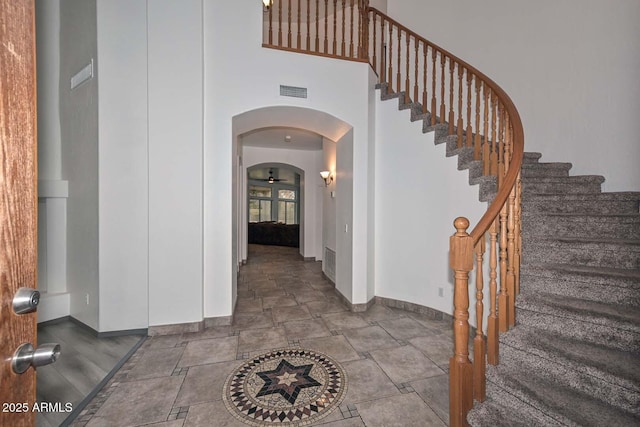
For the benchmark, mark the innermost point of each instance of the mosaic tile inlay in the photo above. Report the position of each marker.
(287, 387)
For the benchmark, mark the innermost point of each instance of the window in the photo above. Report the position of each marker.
(259, 204)
(273, 203)
(287, 207)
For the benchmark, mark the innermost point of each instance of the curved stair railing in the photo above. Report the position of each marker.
(449, 95)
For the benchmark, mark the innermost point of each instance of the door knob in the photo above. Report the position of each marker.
(26, 356)
(26, 300)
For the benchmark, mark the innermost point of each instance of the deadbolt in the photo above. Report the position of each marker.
(26, 300)
(26, 356)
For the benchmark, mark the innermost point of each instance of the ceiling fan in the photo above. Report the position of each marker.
(271, 179)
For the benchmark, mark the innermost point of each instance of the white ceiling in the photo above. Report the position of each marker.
(274, 137)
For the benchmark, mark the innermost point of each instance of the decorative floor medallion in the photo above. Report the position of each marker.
(287, 387)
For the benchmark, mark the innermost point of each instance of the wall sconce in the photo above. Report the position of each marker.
(267, 4)
(327, 176)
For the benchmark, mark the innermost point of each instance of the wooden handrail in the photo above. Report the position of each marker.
(485, 122)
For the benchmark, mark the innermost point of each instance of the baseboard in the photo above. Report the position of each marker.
(212, 322)
(431, 313)
(125, 332)
(176, 328)
(354, 308)
(324, 276)
(181, 328)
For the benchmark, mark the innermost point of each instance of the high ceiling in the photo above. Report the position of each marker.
(276, 137)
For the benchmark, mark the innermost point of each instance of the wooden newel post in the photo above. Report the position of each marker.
(460, 368)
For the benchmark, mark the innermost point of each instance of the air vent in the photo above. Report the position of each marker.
(330, 264)
(295, 92)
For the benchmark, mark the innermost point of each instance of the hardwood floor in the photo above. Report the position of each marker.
(84, 362)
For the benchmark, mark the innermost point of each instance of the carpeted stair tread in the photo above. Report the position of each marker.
(599, 275)
(530, 157)
(625, 225)
(624, 318)
(603, 252)
(551, 389)
(580, 328)
(579, 178)
(609, 365)
(550, 169)
(560, 186)
(602, 203)
(608, 285)
(502, 409)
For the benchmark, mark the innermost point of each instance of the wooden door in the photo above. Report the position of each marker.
(18, 202)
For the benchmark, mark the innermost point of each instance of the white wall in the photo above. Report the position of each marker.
(123, 166)
(249, 78)
(419, 192)
(79, 145)
(328, 202)
(570, 68)
(345, 218)
(308, 161)
(175, 88)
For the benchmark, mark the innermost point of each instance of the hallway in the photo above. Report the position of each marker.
(383, 367)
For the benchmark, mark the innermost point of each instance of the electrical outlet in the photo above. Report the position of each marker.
(440, 292)
(87, 295)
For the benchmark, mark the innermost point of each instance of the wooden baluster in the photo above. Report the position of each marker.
(351, 33)
(398, 75)
(299, 38)
(518, 232)
(511, 225)
(492, 321)
(365, 30)
(459, 125)
(424, 79)
(326, 26)
(479, 366)
(407, 83)
(460, 368)
(359, 47)
(501, 151)
(343, 48)
(443, 108)
(383, 53)
(375, 56)
(486, 147)
(415, 86)
(451, 85)
(433, 87)
(279, 23)
(308, 27)
(271, 26)
(390, 72)
(503, 298)
(289, 25)
(494, 148)
(469, 127)
(318, 25)
(335, 27)
(477, 142)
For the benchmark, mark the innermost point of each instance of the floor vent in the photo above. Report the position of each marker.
(330, 264)
(295, 92)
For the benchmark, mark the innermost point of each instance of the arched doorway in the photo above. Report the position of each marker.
(274, 212)
(324, 207)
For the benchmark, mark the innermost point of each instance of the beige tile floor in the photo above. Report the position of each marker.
(396, 361)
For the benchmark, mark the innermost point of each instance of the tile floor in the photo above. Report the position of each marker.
(396, 361)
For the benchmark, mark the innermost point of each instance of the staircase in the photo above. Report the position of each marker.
(574, 356)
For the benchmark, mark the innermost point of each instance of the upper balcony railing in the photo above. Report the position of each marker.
(453, 95)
